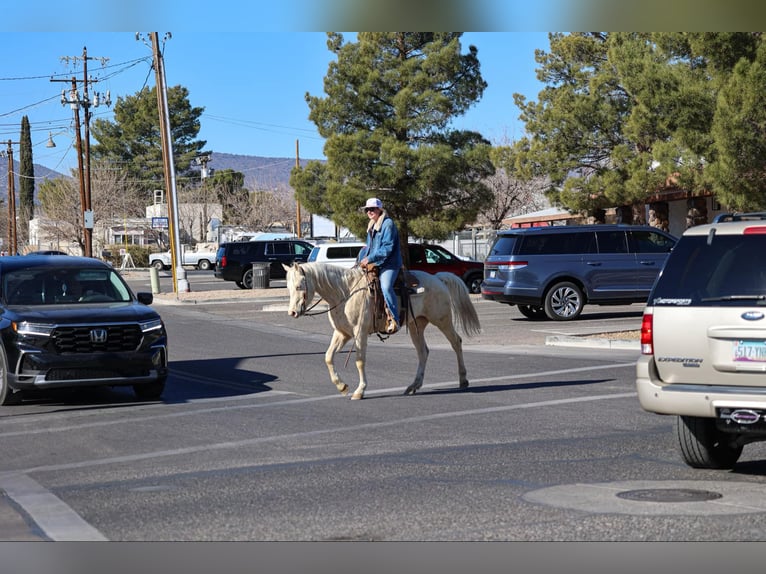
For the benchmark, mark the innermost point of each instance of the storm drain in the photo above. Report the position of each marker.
(649, 497)
(669, 495)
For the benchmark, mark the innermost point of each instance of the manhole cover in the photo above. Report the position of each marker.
(669, 495)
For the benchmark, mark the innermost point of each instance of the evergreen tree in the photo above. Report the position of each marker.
(390, 100)
(26, 210)
(133, 139)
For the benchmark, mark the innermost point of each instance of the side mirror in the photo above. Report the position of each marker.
(145, 297)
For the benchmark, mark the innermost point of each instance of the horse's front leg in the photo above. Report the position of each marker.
(361, 353)
(417, 334)
(336, 344)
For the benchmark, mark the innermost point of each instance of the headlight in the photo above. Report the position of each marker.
(25, 328)
(151, 325)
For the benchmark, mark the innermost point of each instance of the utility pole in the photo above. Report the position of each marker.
(86, 102)
(180, 284)
(12, 246)
(297, 202)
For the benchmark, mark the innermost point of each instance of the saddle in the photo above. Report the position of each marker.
(405, 285)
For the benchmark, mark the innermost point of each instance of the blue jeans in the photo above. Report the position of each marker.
(387, 278)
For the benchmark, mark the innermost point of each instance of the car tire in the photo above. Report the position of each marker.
(473, 282)
(150, 391)
(702, 445)
(564, 301)
(7, 395)
(247, 280)
(204, 265)
(534, 312)
(157, 264)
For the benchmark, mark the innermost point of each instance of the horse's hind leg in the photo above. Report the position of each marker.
(419, 341)
(361, 354)
(336, 344)
(448, 329)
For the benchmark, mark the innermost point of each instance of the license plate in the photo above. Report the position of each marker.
(492, 274)
(749, 351)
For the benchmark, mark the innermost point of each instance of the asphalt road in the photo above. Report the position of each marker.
(253, 443)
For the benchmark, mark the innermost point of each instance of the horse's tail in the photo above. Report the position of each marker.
(463, 310)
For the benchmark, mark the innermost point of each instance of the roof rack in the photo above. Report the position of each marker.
(721, 217)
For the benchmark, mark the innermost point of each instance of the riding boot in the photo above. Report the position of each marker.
(391, 325)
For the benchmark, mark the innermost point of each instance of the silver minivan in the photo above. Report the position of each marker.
(553, 272)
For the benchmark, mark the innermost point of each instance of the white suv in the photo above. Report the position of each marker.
(703, 340)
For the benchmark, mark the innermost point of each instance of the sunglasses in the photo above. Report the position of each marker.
(369, 209)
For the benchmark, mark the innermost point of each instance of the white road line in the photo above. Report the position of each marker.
(55, 518)
(271, 393)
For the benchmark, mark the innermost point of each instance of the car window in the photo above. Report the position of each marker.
(555, 243)
(613, 241)
(63, 286)
(242, 248)
(278, 248)
(646, 241)
(302, 248)
(729, 270)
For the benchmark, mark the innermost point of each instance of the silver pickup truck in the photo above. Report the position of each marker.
(202, 258)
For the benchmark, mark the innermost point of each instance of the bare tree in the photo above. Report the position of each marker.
(512, 197)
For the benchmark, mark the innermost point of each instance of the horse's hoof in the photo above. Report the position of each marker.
(357, 397)
(409, 391)
(343, 390)
(463, 385)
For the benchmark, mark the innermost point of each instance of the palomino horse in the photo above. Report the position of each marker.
(445, 302)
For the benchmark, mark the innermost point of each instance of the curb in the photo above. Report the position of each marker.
(591, 343)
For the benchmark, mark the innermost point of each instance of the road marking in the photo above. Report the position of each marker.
(54, 517)
(59, 522)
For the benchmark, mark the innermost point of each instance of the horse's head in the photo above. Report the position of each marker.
(298, 289)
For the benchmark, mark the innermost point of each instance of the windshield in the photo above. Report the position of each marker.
(46, 286)
(728, 269)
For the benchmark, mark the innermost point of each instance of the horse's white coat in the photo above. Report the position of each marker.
(445, 302)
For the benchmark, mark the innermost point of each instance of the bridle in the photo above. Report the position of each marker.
(301, 288)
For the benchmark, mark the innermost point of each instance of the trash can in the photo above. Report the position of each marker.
(261, 275)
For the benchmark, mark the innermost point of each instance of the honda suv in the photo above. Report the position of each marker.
(234, 261)
(703, 340)
(554, 272)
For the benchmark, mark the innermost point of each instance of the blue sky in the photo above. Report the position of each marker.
(252, 85)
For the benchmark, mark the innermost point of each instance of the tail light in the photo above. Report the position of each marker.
(223, 261)
(647, 334)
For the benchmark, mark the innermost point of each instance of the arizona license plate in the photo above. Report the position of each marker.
(749, 351)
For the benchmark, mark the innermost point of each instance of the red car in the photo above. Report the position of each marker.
(434, 258)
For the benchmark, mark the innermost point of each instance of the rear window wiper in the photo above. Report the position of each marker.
(734, 298)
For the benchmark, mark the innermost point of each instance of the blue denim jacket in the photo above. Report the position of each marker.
(383, 243)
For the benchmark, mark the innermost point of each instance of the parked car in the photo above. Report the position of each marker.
(703, 341)
(423, 257)
(202, 258)
(435, 258)
(74, 322)
(47, 252)
(553, 272)
(234, 260)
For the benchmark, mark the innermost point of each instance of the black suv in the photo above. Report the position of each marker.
(234, 261)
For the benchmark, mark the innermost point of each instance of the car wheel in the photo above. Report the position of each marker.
(157, 264)
(247, 279)
(204, 265)
(150, 391)
(564, 301)
(702, 445)
(474, 283)
(534, 312)
(7, 395)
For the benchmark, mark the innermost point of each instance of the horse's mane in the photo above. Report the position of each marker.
(332, 281)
